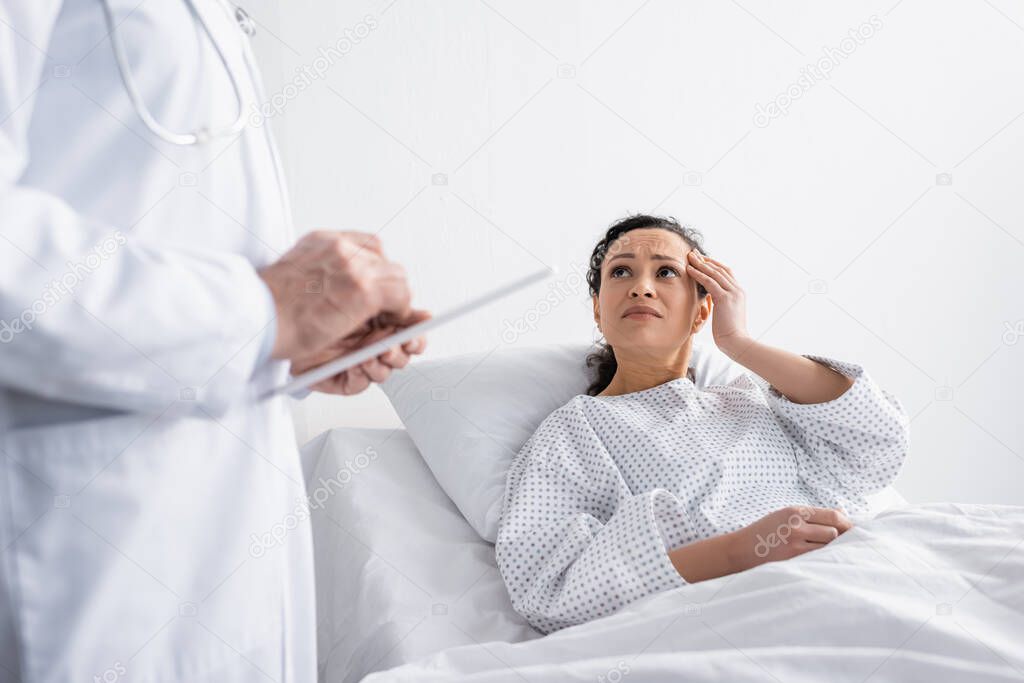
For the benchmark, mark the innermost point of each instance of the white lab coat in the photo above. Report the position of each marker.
(137, 474)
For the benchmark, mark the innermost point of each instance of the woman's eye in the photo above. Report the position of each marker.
(660, 270)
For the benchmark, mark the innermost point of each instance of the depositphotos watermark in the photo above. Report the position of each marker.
(61, 287)
(1012, 332)
(303, 507)
(781, 535)
(558, 292)
(111, 675)
(306, 74)
(615, 674)
(815, 72)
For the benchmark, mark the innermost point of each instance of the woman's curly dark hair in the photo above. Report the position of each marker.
(604, 357)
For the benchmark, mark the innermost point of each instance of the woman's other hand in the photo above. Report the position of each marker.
(784, 534)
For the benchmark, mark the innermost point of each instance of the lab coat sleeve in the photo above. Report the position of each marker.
(573, 543)
(91, 314)
(854, 444)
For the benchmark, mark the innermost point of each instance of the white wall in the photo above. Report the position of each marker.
(552, 119)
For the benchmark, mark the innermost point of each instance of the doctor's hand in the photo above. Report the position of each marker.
(335, 292)
(729, 312)
(357, 379)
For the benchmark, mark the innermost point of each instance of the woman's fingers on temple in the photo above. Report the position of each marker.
(725, 273)
(720, 275)
(717, 266)
(705, 278)
(698, 274)
(702, 263)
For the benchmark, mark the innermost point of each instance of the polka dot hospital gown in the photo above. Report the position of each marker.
(606, 486)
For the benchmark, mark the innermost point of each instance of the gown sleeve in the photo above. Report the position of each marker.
(573, 543)
(854, 444)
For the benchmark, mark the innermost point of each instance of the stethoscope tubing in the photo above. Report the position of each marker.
(200, 135)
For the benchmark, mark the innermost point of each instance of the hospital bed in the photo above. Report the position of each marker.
(408, 588)
(400, 573)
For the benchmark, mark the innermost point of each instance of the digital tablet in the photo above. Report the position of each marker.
(318, 374)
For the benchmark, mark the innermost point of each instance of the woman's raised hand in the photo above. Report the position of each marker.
(729, 312)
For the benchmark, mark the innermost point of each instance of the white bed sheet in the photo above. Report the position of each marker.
(400, 574)
(925, 593)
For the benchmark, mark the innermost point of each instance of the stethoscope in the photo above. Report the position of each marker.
(203, 134)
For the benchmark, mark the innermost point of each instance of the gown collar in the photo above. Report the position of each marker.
(689, 380)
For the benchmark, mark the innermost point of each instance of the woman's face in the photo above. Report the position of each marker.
(647, 267)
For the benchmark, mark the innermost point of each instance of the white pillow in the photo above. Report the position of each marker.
(470, 415)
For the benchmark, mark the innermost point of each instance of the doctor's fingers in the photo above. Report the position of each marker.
(394, 324)
(364, 240)
(345, 242)
(388, 290)
(359, 292)
(398, 357)
(348, 383)
(355, 381)
(376, 370)
(415, 346)
(416, 315)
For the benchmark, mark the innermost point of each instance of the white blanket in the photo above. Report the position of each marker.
(929, 592)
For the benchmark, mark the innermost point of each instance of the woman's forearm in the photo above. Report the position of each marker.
(799, 379)
(705, 559)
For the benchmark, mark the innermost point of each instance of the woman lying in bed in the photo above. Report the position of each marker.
(648, 482)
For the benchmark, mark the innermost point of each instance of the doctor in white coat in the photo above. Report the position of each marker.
(149, 290)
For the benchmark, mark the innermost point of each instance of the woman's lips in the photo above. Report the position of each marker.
(641, 312)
